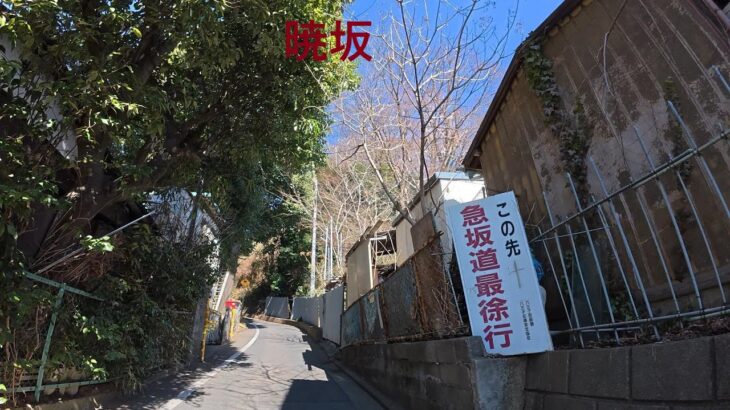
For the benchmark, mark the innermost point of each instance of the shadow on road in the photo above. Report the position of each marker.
(337, 392)
(277, 377)
(320, 394)
(158, 390)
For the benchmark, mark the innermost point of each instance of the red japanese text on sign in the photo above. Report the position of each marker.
(473, 215)
(484, 259)
(309, 40)
(498, 275)
(494, 310)
(489, 285)
(503, 330)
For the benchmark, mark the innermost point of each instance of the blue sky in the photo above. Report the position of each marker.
(529, 14)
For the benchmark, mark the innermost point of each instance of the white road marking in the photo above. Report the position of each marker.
(172, 403)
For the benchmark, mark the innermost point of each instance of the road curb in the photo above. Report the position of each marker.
(373, 391)
(95, 401)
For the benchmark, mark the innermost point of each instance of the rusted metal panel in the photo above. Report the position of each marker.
(372, 320)
(436, 299)
(400, 303)
(423, 231)
(352, 325)
(416, 302)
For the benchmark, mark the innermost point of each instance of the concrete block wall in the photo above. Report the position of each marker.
(693, 373)
(454, 374)
(439, 374)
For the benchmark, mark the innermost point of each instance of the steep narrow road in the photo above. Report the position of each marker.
(276, 368)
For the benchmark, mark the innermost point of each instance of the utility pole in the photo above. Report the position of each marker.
(332, 251)
(313, 271)
(339, 251)
(325, 276)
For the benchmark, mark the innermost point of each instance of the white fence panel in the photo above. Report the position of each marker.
(308, 310)
(277, 306)
(333, 305)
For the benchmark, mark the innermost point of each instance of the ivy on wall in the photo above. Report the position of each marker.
(572, 128)
(674, 130)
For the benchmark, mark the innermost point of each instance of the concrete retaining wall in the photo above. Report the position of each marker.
(454, 374)
(692, 373)
(440, 374)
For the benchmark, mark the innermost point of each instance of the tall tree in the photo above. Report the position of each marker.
(162, 94)
(434, 68)
(313, 256)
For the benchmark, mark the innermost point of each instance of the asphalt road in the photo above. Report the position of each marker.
(269, 366)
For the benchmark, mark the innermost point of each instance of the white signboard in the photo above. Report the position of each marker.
(500, 284)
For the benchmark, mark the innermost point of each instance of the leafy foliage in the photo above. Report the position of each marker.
(102, 244)
(157, 95)
(164, 94)
(144, 322)
(281, 262)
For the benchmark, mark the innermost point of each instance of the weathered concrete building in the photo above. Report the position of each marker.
(632, 99)
(441, 189)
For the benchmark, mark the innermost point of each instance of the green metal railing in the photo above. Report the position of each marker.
(62, 289)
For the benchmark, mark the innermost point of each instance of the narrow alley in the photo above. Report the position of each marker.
(364, 204)
(268, 366)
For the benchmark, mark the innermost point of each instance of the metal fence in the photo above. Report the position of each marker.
(652, 252)
(415, 303)
(321, 311)
(34, 380)
(333, 302)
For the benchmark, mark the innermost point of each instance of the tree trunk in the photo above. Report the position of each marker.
(313, 269)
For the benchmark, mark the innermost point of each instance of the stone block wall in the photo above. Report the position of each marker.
(455, 374)
(439, 374)
(692, 373)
